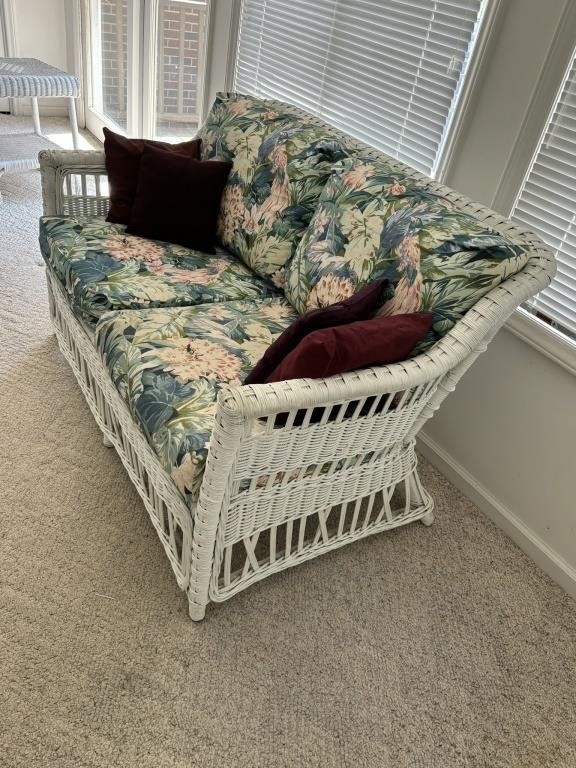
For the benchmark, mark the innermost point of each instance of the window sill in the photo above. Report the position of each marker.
(545, 339)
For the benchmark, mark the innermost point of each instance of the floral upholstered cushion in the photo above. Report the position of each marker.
(266, 209)
(103, 268)
(236, 126)
(372, 223)
(280, 166)
(169, 365)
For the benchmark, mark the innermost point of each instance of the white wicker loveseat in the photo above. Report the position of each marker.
(297, 468)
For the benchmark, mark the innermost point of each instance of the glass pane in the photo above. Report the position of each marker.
(180, 67)
(109, 48)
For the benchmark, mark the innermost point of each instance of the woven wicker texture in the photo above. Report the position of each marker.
(31, 77)
(336, 466)
(170, 516)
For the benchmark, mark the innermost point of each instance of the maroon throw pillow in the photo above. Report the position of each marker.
(378, 341)
(360, 306)
(178, 199)
(122, 158)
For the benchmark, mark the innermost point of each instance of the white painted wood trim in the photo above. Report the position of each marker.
(539, 335)
(142, 69)
(223, 16)
(75, 52)
(203, 57)
(529, 542)
(480, 56)
(233, 45)
(10, 42)
(94, 120)
(9, 24)
(538, 112)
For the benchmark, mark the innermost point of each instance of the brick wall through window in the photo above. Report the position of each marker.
(179, 65)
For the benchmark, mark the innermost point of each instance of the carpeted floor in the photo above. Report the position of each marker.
(424, 648)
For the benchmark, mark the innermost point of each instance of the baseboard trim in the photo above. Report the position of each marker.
(550, 561)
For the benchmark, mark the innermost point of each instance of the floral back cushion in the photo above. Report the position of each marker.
(236, 126)
(373, 223)
(280, 166)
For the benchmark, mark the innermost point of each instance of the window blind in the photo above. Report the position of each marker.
(386, 71)
(546, 204)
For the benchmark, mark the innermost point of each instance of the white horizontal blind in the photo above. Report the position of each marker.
(546, 204)
(386, 71)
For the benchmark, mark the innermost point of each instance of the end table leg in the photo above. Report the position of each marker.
(36, 116)
(73, 122)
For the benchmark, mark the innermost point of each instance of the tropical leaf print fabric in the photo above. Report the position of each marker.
(280, 166)
(170, 364)
(373, 223)
(103, 268)
(236, 126)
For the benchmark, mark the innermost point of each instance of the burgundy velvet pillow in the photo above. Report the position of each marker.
(178, 199)
(379, 341)
(123, 163)
(360, 306)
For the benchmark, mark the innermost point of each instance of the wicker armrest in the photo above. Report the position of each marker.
(72, 182)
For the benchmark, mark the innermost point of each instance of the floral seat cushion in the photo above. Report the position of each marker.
(280, 166)
(103, 269)
(373, 223)
(169, 365)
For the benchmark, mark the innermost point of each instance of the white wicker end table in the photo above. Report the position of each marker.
(31, 78)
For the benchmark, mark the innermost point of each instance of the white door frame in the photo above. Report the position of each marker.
(8, 45)
(75, 52)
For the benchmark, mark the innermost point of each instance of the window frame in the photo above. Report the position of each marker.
(492, 14)
(223, 25)
(537, 333)
(8, 45)
(141, 58)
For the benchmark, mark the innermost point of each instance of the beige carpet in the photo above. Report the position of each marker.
(424, 648)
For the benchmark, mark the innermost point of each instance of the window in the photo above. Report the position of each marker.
(386, 71)
(181, 55)
(546, 204)
(109, 27)
(147, 66)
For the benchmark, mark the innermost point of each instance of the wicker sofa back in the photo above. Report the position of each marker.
(297, 468)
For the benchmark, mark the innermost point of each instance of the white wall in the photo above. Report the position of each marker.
(507, 435)
(40, 27)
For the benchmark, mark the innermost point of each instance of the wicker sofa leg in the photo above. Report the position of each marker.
(195, 611)
(416, 493)
(107, 442)
(428, 519)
